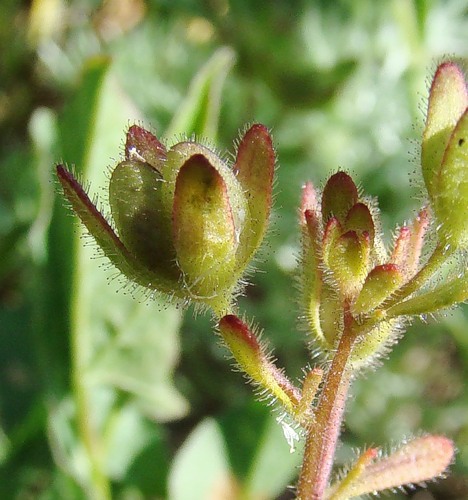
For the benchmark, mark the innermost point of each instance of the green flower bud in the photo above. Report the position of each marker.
(186, 223)
(451, 202)
(444, 153)
(339, 195)
(349, 261)
(251, 359)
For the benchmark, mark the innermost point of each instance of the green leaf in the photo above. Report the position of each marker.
(118, 343)
(200, 469)
(259, 453)
(199, 112)
(273, 466)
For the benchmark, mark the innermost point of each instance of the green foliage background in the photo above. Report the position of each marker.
(104, 395)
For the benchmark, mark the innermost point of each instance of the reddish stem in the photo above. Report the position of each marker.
(323, 434)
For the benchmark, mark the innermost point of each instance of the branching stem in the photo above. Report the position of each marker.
(323, 434)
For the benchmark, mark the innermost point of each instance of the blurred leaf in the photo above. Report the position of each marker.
(310, 86)
(200, 469)
(266, 478)
(149, 471)
(9, 248)
(117, 342)
(256, 445)
(199, 112)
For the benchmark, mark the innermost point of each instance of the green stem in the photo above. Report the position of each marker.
(323, 434)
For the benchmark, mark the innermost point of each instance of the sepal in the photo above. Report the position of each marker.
(203, 227)
(448, 99)
(416, 461)
(141, 145)
(254, 169)
(451, 201)
(252, 360)
(380, 283)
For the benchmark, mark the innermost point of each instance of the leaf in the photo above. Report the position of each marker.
(199, 112)
(200, 470)
(118, 343)
(256, 445)
(273, 466)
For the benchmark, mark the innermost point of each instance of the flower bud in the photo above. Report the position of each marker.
(251, 359)
(444, 153)
(187, 224)
(349, 260)
(339, 195)
(451, 202)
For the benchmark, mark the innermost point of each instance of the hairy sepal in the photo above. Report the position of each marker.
(203, 228)
(251, 359)
(421, 459)
(108, 241)
(448, 99)
(254, 169)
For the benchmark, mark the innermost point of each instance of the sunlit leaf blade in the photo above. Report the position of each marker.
(274, 447)
(92, 125)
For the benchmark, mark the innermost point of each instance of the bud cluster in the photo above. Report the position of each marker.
(345, 265)
(187, 224)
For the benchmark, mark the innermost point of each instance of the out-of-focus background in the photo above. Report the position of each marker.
(104, 395)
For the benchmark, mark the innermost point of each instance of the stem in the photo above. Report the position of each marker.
(323, 434)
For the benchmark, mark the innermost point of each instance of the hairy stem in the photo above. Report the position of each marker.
(323, 434)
